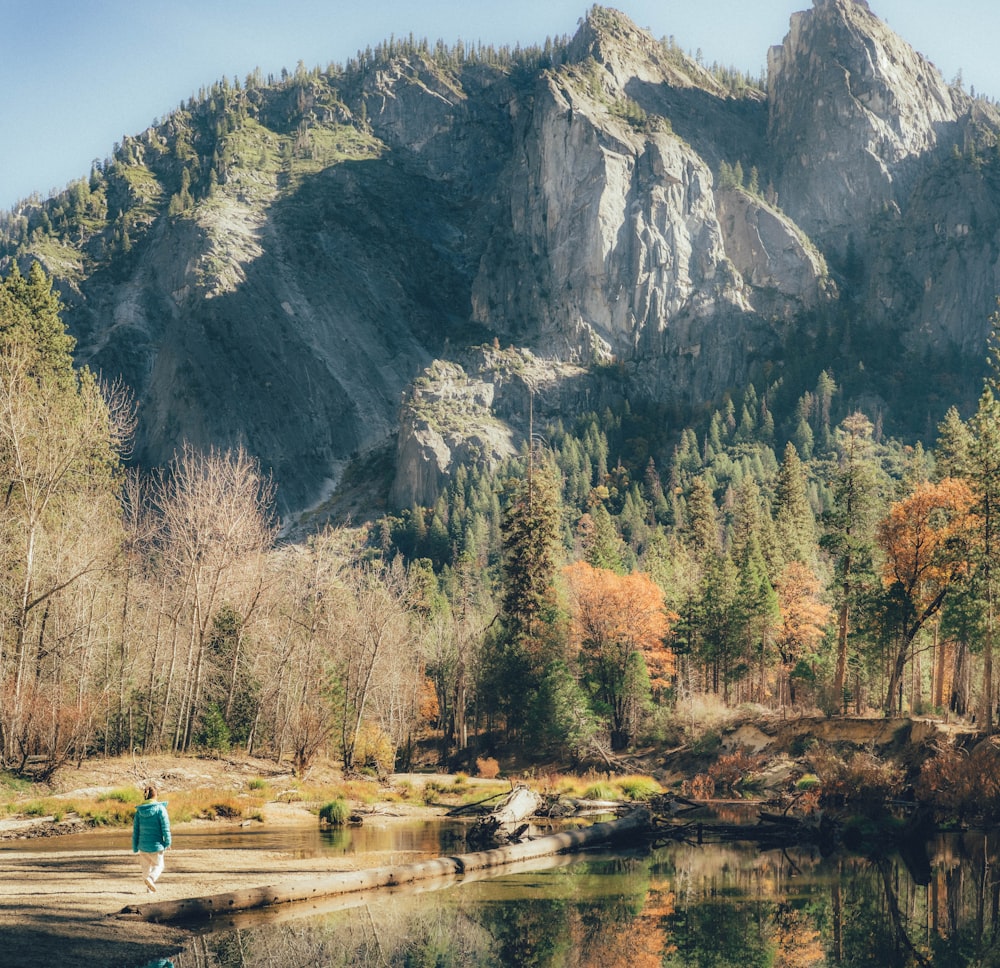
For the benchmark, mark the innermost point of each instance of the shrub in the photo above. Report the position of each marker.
(127, 796)
(967, 784)
(600, 791)
(213, 733)
(730, 769)
(432, 790)
(706, 744)
(227, 809)
(701, 787)
(802, 745)
(13, 784)
(461, 779)
(257, 783)
(374, 751)
(863, 781)
(335, 813)
(487, 767)
(639, 787)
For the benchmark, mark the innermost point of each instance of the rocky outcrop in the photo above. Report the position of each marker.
(934, 268)
(474, 417)
(446, 420)
(611, 236)
(769, 250)
(851, 107)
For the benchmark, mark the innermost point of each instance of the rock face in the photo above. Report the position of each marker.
(447, 420)
(769, 250)
(350, 236)
(476, 415)
(617, 229)
(936, 274)
(853, 110)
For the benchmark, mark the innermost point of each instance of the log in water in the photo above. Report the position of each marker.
(344, 882)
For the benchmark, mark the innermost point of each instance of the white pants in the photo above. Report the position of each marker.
(152, 864)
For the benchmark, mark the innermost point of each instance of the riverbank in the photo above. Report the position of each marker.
(61, 907)
(64, 907)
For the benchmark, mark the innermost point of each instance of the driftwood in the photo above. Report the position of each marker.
(505, 823)
(202, 908)
(770, 830)
(467, 807)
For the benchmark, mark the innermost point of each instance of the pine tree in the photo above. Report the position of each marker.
(984, 473)
(529, 642)
(858, 484)
(757, 607)
(702, 531)
(794, 519)
(30, 318)
(602, 545)
(954, 441)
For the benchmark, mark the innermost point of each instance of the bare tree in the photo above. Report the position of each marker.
(216, 527)
(60, 442)
(374, 626)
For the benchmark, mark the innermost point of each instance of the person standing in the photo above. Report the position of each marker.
(151, 836)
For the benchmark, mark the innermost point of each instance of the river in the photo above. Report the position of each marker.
(677, 904)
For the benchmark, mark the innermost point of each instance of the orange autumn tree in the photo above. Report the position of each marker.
(804, 616)
(926, 539)
(616, 621)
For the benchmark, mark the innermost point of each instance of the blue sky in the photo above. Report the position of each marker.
(77, 76)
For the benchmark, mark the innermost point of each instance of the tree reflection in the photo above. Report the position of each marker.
(713, 906)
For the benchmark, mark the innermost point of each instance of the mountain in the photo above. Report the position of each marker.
(415, 249)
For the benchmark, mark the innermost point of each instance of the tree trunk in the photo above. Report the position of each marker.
(504, 824)
(840, 675)
(941, 663)
(959, 700)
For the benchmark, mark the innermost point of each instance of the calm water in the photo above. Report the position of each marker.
(401, 843)
(676, 905)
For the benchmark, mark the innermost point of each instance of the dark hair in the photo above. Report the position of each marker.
(149, 791)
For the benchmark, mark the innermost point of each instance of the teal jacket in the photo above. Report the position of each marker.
(151, 827)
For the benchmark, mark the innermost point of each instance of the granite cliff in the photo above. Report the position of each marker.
(329, 264)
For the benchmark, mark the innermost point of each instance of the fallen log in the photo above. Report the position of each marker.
(319, 906)
(466, 807)
(203, 908)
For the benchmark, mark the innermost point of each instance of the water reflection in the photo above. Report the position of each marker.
(677, 905)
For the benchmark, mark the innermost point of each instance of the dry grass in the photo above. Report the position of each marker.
(597, 786)
(106, 792)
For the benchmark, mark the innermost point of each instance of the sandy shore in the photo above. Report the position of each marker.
(63, 908)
